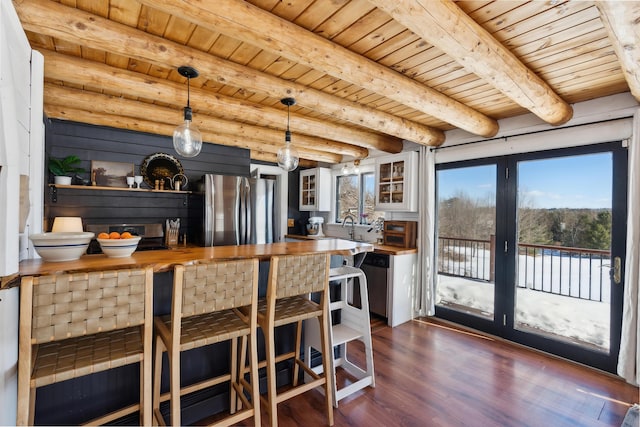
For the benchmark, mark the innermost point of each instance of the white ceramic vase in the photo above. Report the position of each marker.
(62, 180)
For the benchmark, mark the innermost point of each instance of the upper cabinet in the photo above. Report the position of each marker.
(396, 186)
(315, 189)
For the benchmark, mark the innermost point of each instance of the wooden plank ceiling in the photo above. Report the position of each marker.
(366, 74)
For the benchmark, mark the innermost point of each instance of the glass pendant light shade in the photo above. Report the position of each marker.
(288, 156)
(187, 139)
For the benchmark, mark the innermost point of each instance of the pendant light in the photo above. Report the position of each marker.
(187, 139)
(287, 155)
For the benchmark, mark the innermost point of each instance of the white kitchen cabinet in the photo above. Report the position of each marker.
(315, 189)
(396, 182)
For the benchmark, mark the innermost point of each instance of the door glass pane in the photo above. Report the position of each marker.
(564, 241)
(466, 239)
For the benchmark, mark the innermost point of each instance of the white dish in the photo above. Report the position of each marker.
(119, 248)
(64, 246)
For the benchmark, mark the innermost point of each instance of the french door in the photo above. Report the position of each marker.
(531, 247)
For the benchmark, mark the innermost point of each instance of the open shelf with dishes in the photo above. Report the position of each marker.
(102, 188)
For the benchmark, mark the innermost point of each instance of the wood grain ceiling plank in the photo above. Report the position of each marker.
(562, 27)
(263, 60)
(621, 20)
(93, 54)
(381, 34)
(583, 64)
(416, 59)
(225, 46)
(97, 7)
(344, 18)
(242, 20)
(290, 9)
(488, 13)
(202, 39)
(586, 77)
(125, 12)
(318, 12)
(179, 30)
(153, 21)
(445, 26)
(115, 60)
(579, 94)
(532, 42)
(545, 21)
(364, 25)
(578, 47)
(245, 53)
(386, 49)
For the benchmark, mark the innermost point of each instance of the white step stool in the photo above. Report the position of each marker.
(354, 325)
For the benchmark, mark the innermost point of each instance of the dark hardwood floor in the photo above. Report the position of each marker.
(429, 373)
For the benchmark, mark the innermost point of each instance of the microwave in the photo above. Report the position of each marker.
(400, 233)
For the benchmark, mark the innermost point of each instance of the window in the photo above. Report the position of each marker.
(355, 195)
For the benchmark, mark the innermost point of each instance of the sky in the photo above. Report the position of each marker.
(583, 181)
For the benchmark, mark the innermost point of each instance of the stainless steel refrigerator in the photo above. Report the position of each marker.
(235, 210)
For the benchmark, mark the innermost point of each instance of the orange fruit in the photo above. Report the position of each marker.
(103, 236)
(114, 235)
(126, 235)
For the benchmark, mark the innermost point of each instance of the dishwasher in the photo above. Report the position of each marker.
(376, 268)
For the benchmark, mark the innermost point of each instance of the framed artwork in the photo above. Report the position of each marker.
(111, 174)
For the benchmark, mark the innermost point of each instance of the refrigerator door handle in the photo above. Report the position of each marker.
(209, 222)
(248, 213)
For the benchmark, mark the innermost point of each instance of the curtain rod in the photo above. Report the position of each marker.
(506, 138)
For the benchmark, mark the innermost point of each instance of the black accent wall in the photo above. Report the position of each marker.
(89, 142)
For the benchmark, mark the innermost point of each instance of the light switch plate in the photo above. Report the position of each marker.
(290, 222)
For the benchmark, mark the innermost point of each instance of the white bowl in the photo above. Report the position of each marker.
(64, 246)
(119, 248)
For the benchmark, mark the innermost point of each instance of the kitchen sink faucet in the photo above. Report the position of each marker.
(352, 232)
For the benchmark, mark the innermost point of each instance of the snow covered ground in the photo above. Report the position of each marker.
(574, 318)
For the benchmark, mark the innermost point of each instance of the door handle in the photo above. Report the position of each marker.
(617, 266)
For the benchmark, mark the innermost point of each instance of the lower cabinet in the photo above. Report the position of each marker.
(390, 284)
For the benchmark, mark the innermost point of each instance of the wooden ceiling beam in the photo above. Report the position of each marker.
(444, 25)
(77, 71)
(165, 118)
(243, 21)
(70, 24)
(621, 20)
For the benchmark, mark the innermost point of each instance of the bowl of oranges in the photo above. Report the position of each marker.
(118, 245)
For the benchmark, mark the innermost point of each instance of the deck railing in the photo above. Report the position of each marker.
(574, 272)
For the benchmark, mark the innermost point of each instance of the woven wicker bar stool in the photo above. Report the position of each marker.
(77, 324)
(292, 279)
(205, 310)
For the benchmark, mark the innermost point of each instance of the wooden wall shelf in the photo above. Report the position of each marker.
(97, 187)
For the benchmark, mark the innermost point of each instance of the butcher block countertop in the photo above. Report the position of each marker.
(165, 260)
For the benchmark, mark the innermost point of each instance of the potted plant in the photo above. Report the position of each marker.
(63, 169)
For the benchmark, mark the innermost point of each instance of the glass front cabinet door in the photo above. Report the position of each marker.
(396, 186)
(315, 189)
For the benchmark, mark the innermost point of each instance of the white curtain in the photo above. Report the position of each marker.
(425, 285)
(629, 358)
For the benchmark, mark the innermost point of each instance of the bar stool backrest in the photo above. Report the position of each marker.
(72, 305)
(207, 288)
(300, 274)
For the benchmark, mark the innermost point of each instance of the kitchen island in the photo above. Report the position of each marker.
(77, 400)
(165, 260)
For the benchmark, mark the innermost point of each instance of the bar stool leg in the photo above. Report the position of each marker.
(156, 381)
(271, 375)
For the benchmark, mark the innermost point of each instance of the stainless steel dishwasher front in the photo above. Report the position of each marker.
(376, 268)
